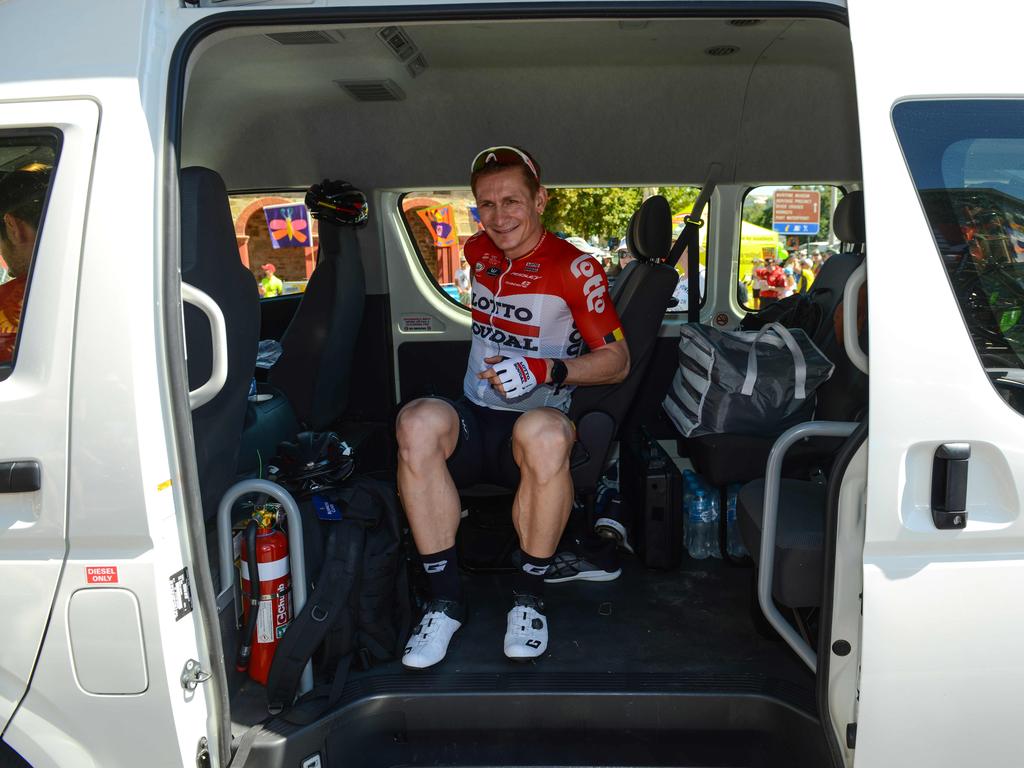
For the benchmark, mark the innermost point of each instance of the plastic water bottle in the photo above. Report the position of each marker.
(733, 542)
(689, 487)
(701, 526)
(715, 500)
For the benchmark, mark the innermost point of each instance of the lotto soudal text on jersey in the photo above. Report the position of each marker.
(548, 303)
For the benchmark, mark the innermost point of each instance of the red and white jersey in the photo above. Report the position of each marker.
(547, 303)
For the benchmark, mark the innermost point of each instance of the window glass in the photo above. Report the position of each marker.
(966, 158)
(277, 240)
(26, 171)
(593, 219)
(785, 237)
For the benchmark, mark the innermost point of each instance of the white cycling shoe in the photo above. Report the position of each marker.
(429, 641)
(526, 636)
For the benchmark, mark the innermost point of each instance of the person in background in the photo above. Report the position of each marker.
(271, 284)
(462, 281)
(804, 275)
(22, 193)
(773, 281)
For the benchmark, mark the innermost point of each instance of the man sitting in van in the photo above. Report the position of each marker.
(22, 193)
(536, 300)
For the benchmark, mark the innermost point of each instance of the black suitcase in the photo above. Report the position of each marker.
(652, 489)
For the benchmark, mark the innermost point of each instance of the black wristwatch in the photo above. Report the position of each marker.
(558, 372)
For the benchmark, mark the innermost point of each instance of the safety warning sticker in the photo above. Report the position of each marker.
(265, 623)
(414, 323)
(181, 594)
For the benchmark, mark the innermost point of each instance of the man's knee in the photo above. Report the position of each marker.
(543, 439)
(426, 427)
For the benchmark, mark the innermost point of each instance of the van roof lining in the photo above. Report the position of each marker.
(264, 114)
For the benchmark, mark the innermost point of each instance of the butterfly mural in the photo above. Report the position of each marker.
(289, 225)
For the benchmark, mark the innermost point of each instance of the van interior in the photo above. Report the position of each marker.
(661, 666)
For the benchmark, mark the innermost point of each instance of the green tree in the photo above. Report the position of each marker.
(604, 212)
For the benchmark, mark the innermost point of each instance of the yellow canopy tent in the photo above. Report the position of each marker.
(755, 243)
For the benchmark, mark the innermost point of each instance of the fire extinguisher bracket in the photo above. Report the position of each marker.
(296, 553)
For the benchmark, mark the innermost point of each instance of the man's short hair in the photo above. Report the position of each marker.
(510, 161)
(23, 192)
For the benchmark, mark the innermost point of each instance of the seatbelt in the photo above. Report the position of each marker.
(689, 240)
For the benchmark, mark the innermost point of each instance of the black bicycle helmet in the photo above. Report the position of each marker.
(337, 202)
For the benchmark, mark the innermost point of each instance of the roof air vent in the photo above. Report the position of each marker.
(372, 90)
(306, 37)
(399, 42)
(744, 22)
(721, 50)
(416, 66)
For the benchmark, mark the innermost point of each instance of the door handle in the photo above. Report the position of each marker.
(949, 485)
(20, 476)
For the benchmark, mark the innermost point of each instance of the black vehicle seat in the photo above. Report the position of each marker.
(728, 458)
(315, 368)
(210, 262)
(641, 295)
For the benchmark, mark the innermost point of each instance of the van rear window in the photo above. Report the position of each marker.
(966, 157)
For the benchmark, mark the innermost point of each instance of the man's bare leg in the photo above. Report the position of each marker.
(542, 440)
(428, 431)
(541, 444)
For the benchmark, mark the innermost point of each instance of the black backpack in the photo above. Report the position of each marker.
(360, 608)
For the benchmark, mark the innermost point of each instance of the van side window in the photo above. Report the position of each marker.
(593, 219)
(785, 237)
(277, 240)
(27, 164)
(965, 157)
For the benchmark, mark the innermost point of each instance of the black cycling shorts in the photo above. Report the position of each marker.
(484, 451)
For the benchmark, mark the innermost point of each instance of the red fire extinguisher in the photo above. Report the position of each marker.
(267, 609)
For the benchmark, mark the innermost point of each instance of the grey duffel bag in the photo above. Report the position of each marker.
(744, 382)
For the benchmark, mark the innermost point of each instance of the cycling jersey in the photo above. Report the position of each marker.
(548, 303)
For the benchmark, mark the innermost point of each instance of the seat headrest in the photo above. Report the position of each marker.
(848, 220)
(650, 230)
(207, 228)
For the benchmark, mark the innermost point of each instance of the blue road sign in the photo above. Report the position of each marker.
(795, 229)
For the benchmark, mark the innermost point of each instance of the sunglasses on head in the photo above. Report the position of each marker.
(503, 156)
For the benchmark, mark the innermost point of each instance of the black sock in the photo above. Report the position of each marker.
(443, 575)
(529, 579)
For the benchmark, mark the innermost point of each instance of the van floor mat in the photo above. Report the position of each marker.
(687, 629)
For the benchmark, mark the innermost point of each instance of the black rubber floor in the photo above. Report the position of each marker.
(676, 630)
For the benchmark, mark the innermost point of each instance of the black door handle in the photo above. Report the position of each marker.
(949, 485)
(20, 476)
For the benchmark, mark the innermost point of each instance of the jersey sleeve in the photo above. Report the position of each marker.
(586, 291)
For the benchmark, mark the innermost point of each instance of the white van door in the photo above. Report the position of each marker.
(941, 668)
(35, 370)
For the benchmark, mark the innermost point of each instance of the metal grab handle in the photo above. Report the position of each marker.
(218, 345)
(769, 520)
(296, 550)
(850, 295)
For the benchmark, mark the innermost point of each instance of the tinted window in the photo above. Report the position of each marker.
(27, 163)
(966, 158)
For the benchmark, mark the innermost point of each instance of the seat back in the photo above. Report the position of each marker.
(315, 367)
(844, 396)
(210, 262)
(641, 295)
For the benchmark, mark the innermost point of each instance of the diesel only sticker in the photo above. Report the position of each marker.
(181, 594)
(101, 574)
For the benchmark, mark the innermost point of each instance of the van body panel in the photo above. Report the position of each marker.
(35, 398)
(941, 669)
(111, 493)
